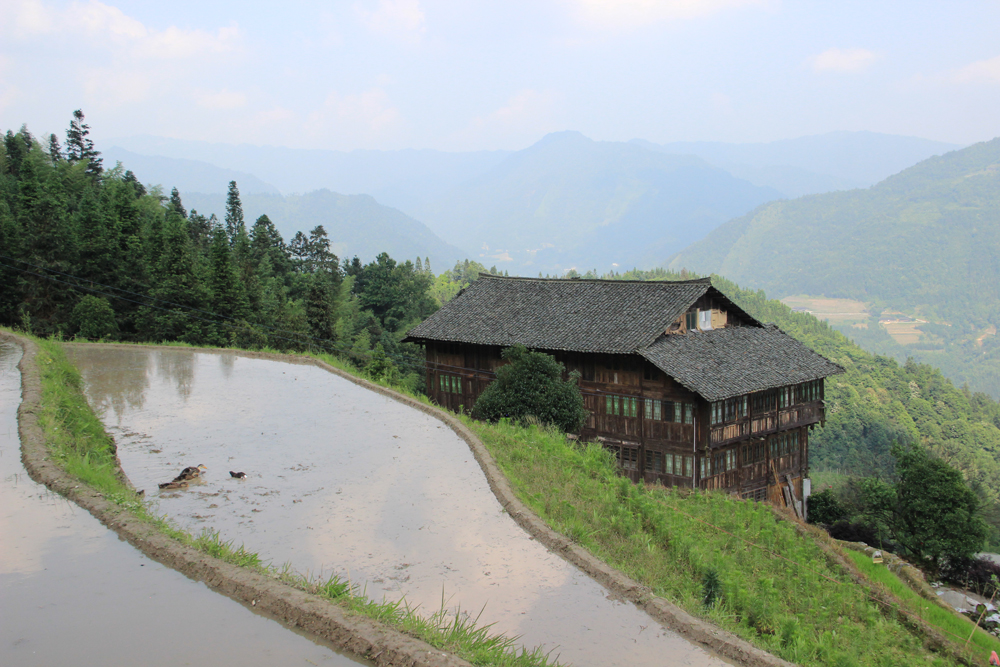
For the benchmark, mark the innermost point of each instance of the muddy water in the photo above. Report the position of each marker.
(72, 593)
(341, 479)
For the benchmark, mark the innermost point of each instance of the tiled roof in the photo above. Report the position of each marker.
(611, 316)
(730, 362)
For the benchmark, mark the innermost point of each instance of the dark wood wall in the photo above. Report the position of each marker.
(660, 431)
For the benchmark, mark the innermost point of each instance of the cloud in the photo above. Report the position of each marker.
(525, 116)
(116, 86)
(395, 18)
(111, 29)
(843, 60)
(627, 13)
(224, 99)
(981, 71)
(368, 116)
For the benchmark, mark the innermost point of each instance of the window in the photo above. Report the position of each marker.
(650, 372)
(628, 457)
(784, 397)
(705, 320)
(704, 468)
(655, 462)
(754, 452)
(622, 406)
(450, 384)
(723, 462)
(785, 444)
(688, 466)
(669, 411)
(764, 401)
(691, 320)
(729, 410)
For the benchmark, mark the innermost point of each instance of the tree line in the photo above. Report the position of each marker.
(89, 251)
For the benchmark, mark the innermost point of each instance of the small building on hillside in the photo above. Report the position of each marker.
(681, 384)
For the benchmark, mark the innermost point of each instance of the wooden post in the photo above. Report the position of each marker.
(791, 492)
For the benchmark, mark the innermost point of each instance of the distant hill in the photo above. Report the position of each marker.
(185, 175)
(357, 224)
(813, 164)
(404, 179)
(925, 242)
(568, 201)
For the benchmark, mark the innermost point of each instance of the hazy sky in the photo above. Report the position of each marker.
(463, 75)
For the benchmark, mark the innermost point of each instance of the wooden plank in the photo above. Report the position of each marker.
(794, 498)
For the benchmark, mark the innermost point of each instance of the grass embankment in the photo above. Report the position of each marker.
(776, 587)
(955, 627)
(79, 443)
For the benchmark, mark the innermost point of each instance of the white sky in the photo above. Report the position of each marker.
(465, 75)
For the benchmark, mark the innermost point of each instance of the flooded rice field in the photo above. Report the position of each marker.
(72, 593)
(343, 480)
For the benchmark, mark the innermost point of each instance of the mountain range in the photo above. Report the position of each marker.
(924, 243)
(565, 202)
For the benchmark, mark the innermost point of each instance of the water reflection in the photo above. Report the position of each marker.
(72, 593)
(176, 369)
(341, 478)
(119, 393)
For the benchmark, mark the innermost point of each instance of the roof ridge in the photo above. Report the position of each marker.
(693, 281)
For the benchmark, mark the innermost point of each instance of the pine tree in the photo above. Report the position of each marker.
(320, 309)
(80, 148)
(16, 152)
(234, 214)
(180, 280)
(175, 203)
(266, 242)
(139, 188)
(229, 298)
(50, 241)
(55, 150)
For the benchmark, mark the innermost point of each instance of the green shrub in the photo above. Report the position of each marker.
(531, 385)
(826, 509)
(94, 318)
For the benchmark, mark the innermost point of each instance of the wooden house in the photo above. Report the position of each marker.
(681, 384)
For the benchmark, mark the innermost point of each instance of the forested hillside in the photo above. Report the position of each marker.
(925, 242)
(88, 251)
(878, 402)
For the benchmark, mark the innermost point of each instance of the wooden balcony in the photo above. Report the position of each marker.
(803, 414)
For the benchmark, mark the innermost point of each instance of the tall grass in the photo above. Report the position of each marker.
(771, 585)
(957, 628)
(78, 442)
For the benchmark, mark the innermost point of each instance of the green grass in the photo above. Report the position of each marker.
(955, 627)
(78, 442)
(775, 587)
